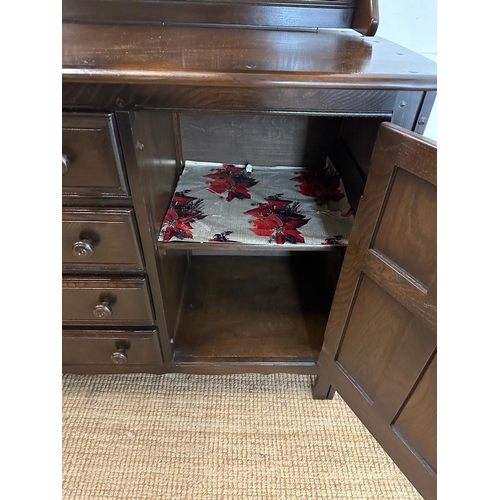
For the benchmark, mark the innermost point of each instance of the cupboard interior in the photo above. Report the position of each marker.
(238, 304)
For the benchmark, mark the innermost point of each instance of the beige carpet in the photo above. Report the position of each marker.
(219, 437)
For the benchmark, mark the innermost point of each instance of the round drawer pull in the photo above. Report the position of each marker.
(65, 164)
(102, 310)
(119, 357)
(83, 249)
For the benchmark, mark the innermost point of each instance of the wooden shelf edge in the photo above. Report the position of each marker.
(181, 245)
(226, 368)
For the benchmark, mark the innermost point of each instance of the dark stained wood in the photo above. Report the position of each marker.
(322, 388)
(365, 17)
(417, 422)
(283, 13)
(187, 56)
(128, 299)
(90, 146)
(112, 234)
(359, 136)
(122, 96)
(258, 139)
(381, 330)
(155, 154)
(400, 284)
(372, 335)
(172, 269)
(397, 150)
(234, 310)
(254, 309)
(411, 246)
(211, 368)
(95, 347)
(240, 247)
(408, 105)
(413, 352)
(425, 111)
(214, 367)
(178, 142)
(150, 150)
(352, 176)
(96, 201)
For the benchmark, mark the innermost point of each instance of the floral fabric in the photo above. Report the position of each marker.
(286, 206)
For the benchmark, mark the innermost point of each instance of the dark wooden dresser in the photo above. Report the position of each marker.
(152, 87)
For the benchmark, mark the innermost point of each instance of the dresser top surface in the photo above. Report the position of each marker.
(205, 56)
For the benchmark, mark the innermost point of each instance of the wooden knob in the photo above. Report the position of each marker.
(83, 249)
(119, 357)
(65, 164)
(102, 310)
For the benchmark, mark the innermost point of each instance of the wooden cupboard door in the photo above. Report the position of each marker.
(380, 345)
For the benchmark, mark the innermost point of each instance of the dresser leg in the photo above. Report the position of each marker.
(322, 388)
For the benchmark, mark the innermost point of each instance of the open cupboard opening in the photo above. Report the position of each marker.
(252, 238)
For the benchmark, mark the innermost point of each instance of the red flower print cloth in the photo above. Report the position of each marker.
(233, 180)
(279, 219)
(183, 211)
(288, 206)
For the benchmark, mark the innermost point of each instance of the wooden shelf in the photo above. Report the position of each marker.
(243, 247)
(256, 309)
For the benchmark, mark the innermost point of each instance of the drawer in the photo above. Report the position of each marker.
(100, 239)
(91, 347)
(92, 164)
(106, 301)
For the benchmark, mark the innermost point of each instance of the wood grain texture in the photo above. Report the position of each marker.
(241, 248)
(417, 421)
(395, 146)
(112, 234)
(124, 96)
(407, 231)
(128, 299)
(418, 473)
(381, 329)
(254, 309)
(375, 328)
(258, 139)
(283, 13)
(95, 166)
(414, 350)
(366, 17)
(150, 150)
(79, 201)
(226, 367)
(172, 55)
(156, 156)
(95, 347)
(401, 285)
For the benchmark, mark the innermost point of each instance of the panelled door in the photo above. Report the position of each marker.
(380, 345)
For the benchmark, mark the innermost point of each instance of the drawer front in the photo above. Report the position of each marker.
(105, 301)
(92, 164)
(120, 348)
(100, 239)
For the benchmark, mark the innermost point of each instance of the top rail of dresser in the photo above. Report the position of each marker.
(296, 14)
(225, 57)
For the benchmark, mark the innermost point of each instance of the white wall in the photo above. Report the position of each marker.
(413, 24)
